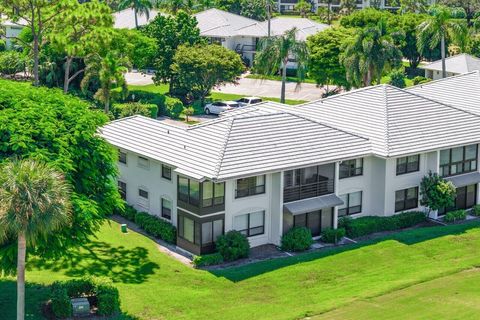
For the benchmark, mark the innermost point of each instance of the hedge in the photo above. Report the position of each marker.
(330, 235)
(233, 246)
(476, 210)
(122, 110)
(11, 62)
(107, 297)
(156, 227)
(456, 215)
(297, 239)
(173, 107)
(367, 225)
(207, 260)
(157, 99)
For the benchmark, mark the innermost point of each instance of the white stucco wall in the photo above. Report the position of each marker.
(11, 32)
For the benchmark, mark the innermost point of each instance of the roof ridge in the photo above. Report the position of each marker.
(339, 95)
(223, 148)
(387, 120)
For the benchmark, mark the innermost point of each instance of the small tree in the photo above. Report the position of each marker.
(436, 193)
(303, 8)
(188, 111)
(397, 79)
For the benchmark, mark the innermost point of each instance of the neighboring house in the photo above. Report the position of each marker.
(454, 65)
(285, 6)
(242, 34)
(12, 30)
(125, 19)
(265, 168)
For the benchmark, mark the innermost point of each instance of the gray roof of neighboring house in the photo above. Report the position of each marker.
(460, 63)
(9, 23)
(462, 91)
(125, 19)
(397, 122)
(234, 147)
(305, 27)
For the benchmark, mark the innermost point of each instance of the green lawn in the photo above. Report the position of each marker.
(154, 286)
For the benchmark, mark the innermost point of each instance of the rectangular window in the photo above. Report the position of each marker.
(408, 164)
(166, 172)
(183, 189)
(250, 224)
(250, 186)
(122, 189)
(166, 209)
(308, 182)
(143, 162)
(142, 193)
(202, 234)
(207, 194)
(122, 157)
(406, 199)
(352, 204)
(458, 160)
(143, 198)
(219, 193)
(351, 168)
(212, 194)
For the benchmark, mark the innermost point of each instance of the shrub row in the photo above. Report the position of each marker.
(167, 106)
(122, 110)
(154, 226)
(331, 235)
(456, 215)
(207, 260)
(297, 239)
(107, 297)
(230, 247)
(476, 210)
(367, 225)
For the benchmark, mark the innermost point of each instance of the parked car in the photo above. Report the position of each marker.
(220, 106)
(246, 101)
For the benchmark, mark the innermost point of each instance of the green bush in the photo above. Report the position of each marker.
(156, 227)
(297, 239)
(456, 215)
(419, 80)
(149, 98)
(330, 235)
(107, 297)
(11, 62)
(397, 79)
(207, 260)
(233, 246)
(122, 110)
(367, 225)
(173, 107)
(128, 212)
(476, 210)
(3, 45)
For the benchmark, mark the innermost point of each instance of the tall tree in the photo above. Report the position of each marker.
(174, 6)
(170, 32)
(413, 6)
(199, 68)
(369, 54)
(274, 53)
(38, 16)
(303, 7)
(80, 32)
(324, 51)
(441, 24)
(34, 203)
(471, 7)
(140, 7)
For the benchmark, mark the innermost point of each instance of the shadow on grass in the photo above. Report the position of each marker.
(409, 237)
(99, 258)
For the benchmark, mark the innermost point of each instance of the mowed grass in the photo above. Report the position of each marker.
(155, 286)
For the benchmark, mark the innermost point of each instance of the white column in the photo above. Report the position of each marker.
(335, 209)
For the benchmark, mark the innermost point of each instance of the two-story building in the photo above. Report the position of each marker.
(265, 168)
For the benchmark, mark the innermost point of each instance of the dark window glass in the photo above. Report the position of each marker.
(122, 189)
(250, 224)
(142, 193)
(166, 172)
(406, 199)
(408, 164)
(166, 209)
(250, 186)
(212, 193)
(308, 182)
(352, 204)
(351, 168)
(122, 157)
(183, 189)
(458, 160)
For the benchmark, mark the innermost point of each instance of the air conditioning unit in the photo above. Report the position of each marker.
(80, 307)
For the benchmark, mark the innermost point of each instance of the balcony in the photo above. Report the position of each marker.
(308, 190)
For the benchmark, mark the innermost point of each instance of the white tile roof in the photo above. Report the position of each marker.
(462, 91)
(460, 63)
(126, 18)
(233, 147)
(305, 27)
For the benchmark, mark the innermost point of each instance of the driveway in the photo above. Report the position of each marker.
(138, 79)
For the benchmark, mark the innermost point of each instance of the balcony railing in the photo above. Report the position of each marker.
(308, 190)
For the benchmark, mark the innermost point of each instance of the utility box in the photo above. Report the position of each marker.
(80, 307)
(124, 228)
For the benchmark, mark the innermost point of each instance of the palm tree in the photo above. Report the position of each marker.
(369, 54)
(140, 7)
(274, 54)
(110, 71)
(442, 24)
(34, 203)
(173, 6)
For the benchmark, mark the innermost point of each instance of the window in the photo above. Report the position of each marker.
(211, 231)
(142, 193)
(250, 186)
(143, 198)
(212, 194)
(406, 199)
(202, 234)
(250, 224)
(458, 160)
(408, 164)
(352, 204)
(166, 172)
(351, 168)
(143, 162)
(166, 208)
(122, 189)
(122, 157)
(308, 182)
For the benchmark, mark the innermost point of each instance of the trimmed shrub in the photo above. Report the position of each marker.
(207, 260)
(3, 45)
(108, 299)
(61, 304)
(476, 210)
(233, 246)
(157, 99)
(122, 110)
(297, 239)
(156, 227)
(11, 62)
(456, 215)
(367, 225)
(128, 212)
(173, 107)
(397, 79)
(330, 235)
(419, 80)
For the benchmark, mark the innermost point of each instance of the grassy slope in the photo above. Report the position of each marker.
(154, 286)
